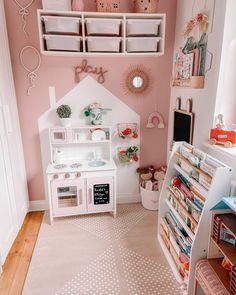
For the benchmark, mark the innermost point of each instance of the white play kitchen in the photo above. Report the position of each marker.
(82, 174)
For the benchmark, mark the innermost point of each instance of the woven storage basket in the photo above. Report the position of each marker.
(108, 5)
(146, 6)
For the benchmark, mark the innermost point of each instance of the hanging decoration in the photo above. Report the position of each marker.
(84, 67)
(32, 73)
(137, 80)
(151, 121)
(200, 21)
(24, 12)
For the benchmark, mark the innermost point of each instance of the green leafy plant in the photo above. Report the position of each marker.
(64, 111)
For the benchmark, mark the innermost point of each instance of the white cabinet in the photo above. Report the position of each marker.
(101, 33)
(77, 193)
(13, 184)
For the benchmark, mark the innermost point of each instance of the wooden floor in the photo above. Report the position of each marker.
(17, 263)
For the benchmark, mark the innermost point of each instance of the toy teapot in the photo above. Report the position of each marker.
(95, 112)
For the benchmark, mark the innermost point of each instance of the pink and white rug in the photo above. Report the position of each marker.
(100, 255)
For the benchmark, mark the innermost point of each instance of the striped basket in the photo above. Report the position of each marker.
(108, 5)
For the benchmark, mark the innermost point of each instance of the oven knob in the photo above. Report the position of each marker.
(55, 176)
(67, 175)
(78, 174)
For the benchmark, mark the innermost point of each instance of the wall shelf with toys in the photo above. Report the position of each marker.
(192, 186)
(73, 33)
(222, 244)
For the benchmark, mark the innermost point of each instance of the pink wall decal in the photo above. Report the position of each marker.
(59, 72)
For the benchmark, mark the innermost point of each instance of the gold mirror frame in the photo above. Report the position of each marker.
(136, 72)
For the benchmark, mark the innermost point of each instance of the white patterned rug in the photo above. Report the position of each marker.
(100, 255)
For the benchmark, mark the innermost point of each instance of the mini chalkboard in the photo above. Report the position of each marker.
(183, 126)
(183, 122)
(101, 194)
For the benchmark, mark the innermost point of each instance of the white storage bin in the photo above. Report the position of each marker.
(142, 44)
(138, 27)
(97, 26)
(63, 43)
(150, 199)
(61, 24)
(64, 5)
(103, 44)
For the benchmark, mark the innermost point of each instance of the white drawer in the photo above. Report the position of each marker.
(139, 27)
(63, 43)
(96, 26)
(61, 24)
(103, 44)
(142, 44)
(64, 5)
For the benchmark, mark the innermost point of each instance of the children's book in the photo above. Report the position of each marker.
(187, 66)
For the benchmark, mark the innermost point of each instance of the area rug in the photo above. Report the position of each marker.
(97, 254)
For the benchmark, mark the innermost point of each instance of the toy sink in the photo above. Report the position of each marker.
(97, 164)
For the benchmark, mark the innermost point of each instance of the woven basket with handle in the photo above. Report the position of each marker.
(146, 6)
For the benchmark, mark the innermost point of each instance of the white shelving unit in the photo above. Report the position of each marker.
(93, 33)
(220, 186)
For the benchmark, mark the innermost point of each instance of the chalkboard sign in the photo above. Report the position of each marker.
(101, 194)
(183, 126)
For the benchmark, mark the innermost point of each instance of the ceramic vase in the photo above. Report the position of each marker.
(78, 5)
(65, 122)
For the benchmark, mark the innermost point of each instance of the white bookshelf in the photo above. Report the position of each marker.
(220, 187)
(123, 35)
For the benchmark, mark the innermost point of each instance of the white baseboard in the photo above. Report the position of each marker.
(40, 205)
(43, 205)
(128, 198)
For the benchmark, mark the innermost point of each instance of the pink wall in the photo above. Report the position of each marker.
(58, 72)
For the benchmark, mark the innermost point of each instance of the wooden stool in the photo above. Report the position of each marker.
(208, 280)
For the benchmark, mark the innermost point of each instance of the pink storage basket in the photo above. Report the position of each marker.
(108, 5)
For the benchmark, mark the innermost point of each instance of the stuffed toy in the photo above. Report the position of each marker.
(146, 6)
(156, 176)
(145, 174)
(159, 176)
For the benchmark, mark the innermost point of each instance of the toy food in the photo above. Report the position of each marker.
(129, 154)
(128, 133)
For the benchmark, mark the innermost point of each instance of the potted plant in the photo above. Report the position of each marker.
(64, 113)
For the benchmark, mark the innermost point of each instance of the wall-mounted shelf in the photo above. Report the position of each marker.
(99, 34)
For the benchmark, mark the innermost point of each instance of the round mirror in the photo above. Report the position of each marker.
(137, 82)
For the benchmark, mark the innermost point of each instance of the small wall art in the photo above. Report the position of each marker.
(137, 80)
(84, 67)
(24, 12)
(155, 116)
(32, 73)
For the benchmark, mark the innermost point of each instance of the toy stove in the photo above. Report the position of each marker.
(64, 166)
